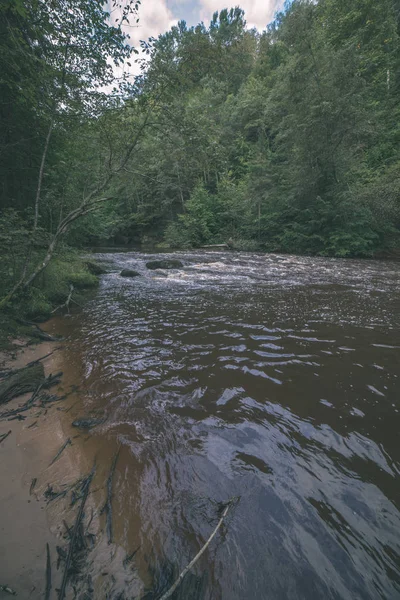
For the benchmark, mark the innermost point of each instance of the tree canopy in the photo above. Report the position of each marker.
(282, 140)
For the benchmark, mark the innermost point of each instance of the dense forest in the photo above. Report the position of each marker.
(283, 140)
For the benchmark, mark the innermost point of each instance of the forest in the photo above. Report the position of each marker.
(285, 140)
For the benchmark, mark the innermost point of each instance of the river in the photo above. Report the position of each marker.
(272, 379)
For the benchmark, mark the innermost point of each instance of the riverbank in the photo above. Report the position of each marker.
(27, 522)
(67, 279)
(47, 465)
(44, 465)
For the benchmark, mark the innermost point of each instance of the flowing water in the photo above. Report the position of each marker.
(270, 378)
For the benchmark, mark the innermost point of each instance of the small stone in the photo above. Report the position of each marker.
(129, 273)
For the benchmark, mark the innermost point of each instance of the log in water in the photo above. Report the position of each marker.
(272, 378)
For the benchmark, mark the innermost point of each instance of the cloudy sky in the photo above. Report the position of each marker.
(157, 16)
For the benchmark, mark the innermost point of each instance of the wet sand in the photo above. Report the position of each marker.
(27, 522)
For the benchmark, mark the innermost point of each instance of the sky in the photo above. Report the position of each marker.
(158, 16)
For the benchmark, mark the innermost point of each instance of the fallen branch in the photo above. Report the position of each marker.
(67, 302)
(171, 590)
(107, 508)
(34, 362)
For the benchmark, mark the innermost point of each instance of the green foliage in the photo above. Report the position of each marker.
(66, 269)
(286, 140)
(198, 222)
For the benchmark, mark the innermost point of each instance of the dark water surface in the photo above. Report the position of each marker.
(273, 378)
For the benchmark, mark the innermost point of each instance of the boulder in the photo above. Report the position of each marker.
(168, 263)
(129, 273)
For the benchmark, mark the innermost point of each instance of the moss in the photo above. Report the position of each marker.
(63, 271)
(50, 289)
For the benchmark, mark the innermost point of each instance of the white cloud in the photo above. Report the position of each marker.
(258, 13)
(154, 18)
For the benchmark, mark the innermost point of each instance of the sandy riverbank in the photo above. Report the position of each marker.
(27, 521)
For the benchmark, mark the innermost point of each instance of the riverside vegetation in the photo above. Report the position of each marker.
(283, 140)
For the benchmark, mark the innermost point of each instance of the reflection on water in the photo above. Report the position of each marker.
(272, 378)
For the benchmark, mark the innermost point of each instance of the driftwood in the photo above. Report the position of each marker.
(186, 570)
(211, 246)
(107, 508)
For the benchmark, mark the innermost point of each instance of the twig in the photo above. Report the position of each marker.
(34, 362)
(171, 590)
(48, 574)
(107, 508)
(4, 436)
(67, 443)
(75, 534)
(67, 302)
(28, 404)
(129, 557)
(33, 483)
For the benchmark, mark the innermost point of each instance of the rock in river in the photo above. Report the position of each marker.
(129, 273)
(87, 422)
(170, 263)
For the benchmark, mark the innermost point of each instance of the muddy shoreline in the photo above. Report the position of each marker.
(27, 521)
(46, 455)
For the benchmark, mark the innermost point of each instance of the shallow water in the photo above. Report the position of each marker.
(271, 378)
